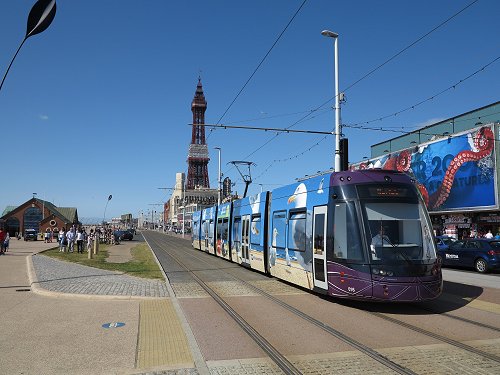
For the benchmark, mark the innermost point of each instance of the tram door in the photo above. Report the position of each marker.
(205, 231)
(319, 247)
(245, 239)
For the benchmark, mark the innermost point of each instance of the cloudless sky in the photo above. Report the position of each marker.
(100, 102)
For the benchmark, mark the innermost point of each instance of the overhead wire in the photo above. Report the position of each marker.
(261, 62)
(370, 72)
(355, 125)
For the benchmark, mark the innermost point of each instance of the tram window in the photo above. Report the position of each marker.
(219, 229)
(237, 230)
(224, 229)
(211, 229)
(297, 231)
(319, 236)
(346, 241)
(255, 231)
(278, 232)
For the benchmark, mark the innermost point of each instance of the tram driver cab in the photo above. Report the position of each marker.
(397, 240)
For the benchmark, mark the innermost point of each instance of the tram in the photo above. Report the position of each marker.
(354, 234)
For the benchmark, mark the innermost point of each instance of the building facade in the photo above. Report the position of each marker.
(40, 215)
(456, 164)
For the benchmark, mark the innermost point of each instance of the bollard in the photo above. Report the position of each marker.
(90, 253)
(96, 244)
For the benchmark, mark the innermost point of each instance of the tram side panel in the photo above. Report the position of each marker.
(248, 225)
(207, 230)
(222, 233)
(290, 229)
(196, 230)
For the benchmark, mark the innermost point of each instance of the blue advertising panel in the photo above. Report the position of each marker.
(290, 228)
(196, 227)
(453, 173)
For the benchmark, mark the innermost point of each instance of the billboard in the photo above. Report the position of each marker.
(457, 172)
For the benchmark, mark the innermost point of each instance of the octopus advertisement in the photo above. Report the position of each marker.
(453, 173)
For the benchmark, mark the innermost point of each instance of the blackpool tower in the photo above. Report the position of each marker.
(198, 150)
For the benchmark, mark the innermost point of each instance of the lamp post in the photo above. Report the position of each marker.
(105, 208)
(40, 17)
(219, 182)
(335, 36)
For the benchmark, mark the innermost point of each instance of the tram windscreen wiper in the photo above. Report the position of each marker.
(399, 251)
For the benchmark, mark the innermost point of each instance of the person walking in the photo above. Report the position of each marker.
(6, 242)
(488, 235)
(70, 236)
(62, 240)
(79, 241)
(2, 239)
(90, 240)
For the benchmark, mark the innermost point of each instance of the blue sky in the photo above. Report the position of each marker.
(99, 103)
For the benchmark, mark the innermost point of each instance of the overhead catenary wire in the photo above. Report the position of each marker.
(370, 73)
(387, 129)
(261, 61)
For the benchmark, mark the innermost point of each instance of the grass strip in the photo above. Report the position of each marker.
(142, 264)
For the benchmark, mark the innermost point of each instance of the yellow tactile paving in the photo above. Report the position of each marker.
(486, 306)
(476, 304)
(162, 341)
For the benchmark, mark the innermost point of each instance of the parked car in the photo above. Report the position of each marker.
(481, 254)
(128, 234)
(443, 242)
(30, 235)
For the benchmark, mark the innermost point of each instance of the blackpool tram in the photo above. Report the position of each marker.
(355, 234)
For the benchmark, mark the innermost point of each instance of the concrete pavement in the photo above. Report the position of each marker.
(63, 318)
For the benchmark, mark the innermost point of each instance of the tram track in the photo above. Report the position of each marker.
(268, 348)
(381, 316)
(447, 340)
(366, 350)
(273, 353)
(461, 319)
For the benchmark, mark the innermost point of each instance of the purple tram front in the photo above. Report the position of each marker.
(354, 234)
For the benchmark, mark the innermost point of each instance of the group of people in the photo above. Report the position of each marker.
(490, 235)
(67, 239)
(4, 241)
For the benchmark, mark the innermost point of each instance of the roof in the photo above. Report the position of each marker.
(7, 210)
(68, 212)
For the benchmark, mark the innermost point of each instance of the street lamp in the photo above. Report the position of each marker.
(333, 35)
(40, 17)
(219, 182)
(105, 208)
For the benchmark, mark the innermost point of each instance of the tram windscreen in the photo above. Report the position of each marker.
(398, 232)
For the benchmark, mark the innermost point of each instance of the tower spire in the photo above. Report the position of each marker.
(198, 150)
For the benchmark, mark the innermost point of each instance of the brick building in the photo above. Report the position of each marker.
(39, 215)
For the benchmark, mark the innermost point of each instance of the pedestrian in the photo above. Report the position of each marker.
(2, 239)
(497, 237)
(79, 241)
(488, 235)
(70, 236)
(90, 240)
(6, 242)
(62, 240)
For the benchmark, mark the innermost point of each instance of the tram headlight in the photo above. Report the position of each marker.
(380, 272)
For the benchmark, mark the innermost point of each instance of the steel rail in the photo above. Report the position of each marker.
(271, 351)
(330, 330)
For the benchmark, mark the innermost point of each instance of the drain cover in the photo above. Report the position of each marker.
(23, 290)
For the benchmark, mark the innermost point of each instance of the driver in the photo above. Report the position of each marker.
(380, 239)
